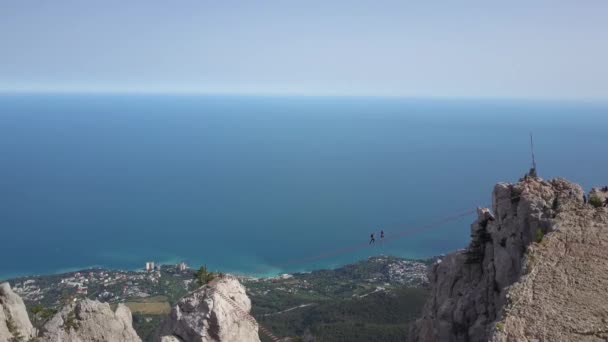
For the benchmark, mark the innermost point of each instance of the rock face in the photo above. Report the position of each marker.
(14, 321)
(89, 321)
(206, 316)
(541, 235)
(563, 296)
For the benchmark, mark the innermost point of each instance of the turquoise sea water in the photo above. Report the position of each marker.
(245, 183)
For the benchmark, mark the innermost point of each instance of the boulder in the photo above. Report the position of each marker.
(91, 321)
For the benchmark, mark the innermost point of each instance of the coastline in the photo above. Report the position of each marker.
(241, 275)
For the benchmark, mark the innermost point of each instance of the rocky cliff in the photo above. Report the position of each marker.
(535, 270)
(206, 315)
(14, 322)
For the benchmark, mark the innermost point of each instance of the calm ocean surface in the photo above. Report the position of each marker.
(244, 183)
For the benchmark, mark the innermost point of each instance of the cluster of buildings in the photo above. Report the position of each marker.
(152, 266)
(29, 290)
(102, 284)
(408, 272)
(105, 284)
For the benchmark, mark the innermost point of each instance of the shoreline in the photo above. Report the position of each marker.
(244, 275)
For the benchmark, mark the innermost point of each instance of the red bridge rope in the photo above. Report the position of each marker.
(365, 244)
(362, 245)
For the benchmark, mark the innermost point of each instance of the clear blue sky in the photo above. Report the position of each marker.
(529, 49)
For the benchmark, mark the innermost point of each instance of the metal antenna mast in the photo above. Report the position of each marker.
(533, 169)
(532, 149)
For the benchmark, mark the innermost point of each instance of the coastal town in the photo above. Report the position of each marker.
(111, 286)
(173, 281)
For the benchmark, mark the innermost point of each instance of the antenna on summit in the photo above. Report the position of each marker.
(532, 172)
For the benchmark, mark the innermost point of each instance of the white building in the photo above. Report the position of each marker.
(150, 266)
(182, 266)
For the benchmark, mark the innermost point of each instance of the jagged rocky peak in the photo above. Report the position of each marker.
(216, 312)
(469, 287)
(14, 322)
(89, 321)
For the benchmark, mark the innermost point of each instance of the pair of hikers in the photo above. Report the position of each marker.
(373, 239)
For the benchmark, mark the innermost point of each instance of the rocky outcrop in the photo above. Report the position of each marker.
(206, 315)
(563, 296)
(84, 321)
(217, 312)
(89, 321)
(540, 234)
(14, 321)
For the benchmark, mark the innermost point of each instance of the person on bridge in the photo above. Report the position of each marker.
(382, 234)
(372, 239)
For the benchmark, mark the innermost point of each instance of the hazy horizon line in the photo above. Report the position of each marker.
(590, 100)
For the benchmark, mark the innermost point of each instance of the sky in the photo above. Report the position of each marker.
(523, 49)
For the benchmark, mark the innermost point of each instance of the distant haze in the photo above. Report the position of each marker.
(525, 49)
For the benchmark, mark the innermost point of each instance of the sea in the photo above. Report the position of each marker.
(263, 185)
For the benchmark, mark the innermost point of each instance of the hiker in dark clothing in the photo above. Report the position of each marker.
(372, 239)
(382, 234)
(584, 199)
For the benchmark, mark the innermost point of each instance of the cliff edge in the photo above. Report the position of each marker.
(535, 270)
(14, 322)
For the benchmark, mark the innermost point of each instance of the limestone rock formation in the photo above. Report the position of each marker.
(89, 321)
(564, 295)
(206, 316)
(14, 321)
(541, 235)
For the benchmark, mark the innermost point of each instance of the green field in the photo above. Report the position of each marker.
(157, 305)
